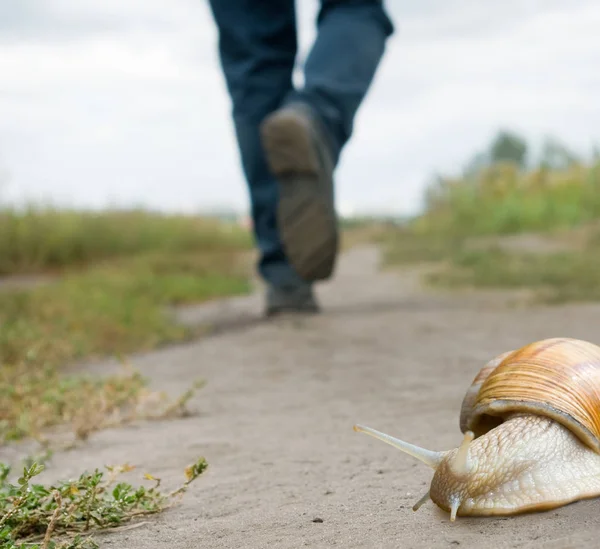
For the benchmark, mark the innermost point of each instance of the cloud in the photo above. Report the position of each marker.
(45, 21)
(125, 102)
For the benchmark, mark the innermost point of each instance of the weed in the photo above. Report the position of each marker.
(36, 400)
(64, 514)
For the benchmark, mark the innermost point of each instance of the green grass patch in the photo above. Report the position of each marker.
(108, 310)
(407, 246)
(112, 309)
(500, 202)
(40, 239)
(556, 277)
(503, 200)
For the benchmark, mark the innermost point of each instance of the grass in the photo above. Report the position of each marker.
(63, 515)
(119, 274)
(115, 275)
(114, 308)
(34, 400)
(502, 200)
(357, 232)
(108, 310)
(561, 207)
(40, 239)
(555, 278)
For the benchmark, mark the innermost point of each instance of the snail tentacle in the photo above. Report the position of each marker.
(454, 508)
(421, 501)
(461, 464)
(433, 459)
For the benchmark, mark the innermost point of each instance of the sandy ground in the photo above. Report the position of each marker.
(275, 420)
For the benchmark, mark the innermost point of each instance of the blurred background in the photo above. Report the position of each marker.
(476, 155)
(123, 103)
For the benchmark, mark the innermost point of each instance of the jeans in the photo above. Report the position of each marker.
(257, 51)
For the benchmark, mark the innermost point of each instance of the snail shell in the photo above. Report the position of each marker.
(558, 378)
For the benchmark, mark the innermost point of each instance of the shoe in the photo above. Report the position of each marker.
(299, 156)
(298, 299)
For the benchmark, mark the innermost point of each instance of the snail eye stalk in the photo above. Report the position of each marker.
(428, 457)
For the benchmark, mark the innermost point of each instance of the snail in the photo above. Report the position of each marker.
(531, 426)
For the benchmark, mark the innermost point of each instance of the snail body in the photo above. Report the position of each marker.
(531, 424)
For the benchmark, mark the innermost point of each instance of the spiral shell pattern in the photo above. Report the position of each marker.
(558, 378)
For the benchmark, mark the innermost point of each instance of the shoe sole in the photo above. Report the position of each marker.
(305, 215)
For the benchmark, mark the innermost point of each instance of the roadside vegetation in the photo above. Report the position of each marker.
(113, 276)
(102, 286)
(505, 223)
(47, 240)
(65, 515)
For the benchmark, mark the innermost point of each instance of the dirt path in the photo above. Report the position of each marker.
(275, 421)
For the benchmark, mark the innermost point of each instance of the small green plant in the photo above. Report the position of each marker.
(65, 514)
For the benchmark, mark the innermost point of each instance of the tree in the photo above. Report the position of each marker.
(508, 147)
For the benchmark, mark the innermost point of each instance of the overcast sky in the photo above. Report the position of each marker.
(123, 102)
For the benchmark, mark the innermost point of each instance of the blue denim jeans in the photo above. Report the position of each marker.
(257, 50)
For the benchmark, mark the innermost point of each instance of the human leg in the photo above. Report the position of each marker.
(303, 139)
(342, 63)
(257, 50)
